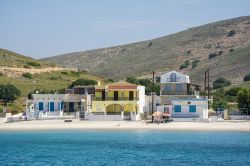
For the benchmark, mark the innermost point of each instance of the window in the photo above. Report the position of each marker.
(192, 108)
(40, 106)
(167, 88)
(173, 77)
(115, 95)
(177, 108)
(131, 95)
(178, 87)
(51, 107)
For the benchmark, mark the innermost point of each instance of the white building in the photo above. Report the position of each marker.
(180, 98)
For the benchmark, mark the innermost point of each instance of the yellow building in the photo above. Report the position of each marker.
(122, 100)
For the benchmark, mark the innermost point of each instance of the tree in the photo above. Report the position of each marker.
(9, 93)
(233, 91)
(244, 99)
(219, 99)
(132, 80)
(147, 83)
(82, 82)
(27, 75)
(247, 78)
(220, 83)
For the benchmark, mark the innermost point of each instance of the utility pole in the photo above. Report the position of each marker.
(208, 89)
(152, 93)
(205, 84)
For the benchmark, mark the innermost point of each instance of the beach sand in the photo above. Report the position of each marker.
(123, 125)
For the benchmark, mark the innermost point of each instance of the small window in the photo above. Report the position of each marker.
(173, 77)
(192, 108)
(167, 88)
(177, 108)
(178, 87)
(40, 106)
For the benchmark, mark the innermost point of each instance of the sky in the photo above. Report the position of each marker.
(43, 28)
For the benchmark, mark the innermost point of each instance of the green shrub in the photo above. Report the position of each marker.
(35, 64)
(26, 66)
(1, 109)
(195, 63)
(82, 82)
(27, 75)
(231, 33)
(243, 99)
(221, 82)
(212, 55)
(247, 78)
(233, 91)
(75, 73)
(185, 65)
(64, 72)
(55, 78)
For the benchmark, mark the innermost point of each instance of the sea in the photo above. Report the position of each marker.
(115, 148)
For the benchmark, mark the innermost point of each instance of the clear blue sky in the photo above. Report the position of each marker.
(42, 28)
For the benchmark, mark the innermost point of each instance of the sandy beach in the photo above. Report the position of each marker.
(123, 125)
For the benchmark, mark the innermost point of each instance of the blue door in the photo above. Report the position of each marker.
(192, 108)
(51, 107)
(40, 106)
(177, 108)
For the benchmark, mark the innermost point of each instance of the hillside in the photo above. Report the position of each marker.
(12, 59)
(44, 75)
(227, 42)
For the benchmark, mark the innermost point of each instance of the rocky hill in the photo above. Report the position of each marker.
(29, 74)
(223, 47)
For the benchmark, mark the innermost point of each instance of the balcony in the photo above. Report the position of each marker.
(119, 99)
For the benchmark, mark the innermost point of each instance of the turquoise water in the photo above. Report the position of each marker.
(124, 148)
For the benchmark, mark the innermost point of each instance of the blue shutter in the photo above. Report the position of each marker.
(192, 108)
(40, 106)
(51, 107)
(177, 108)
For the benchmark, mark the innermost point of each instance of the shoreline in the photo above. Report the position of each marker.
(53, 125)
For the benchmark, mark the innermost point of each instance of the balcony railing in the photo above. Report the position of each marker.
(117, 99)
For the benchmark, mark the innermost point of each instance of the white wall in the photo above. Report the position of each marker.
(201, 108)
(165, 78)
(141, 98)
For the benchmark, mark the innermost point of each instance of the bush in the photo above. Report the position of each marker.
(220, 52)
(231, 33)
(82, 82)
(150, 44)
(64, 72)
(221, 82)
(35, 64)
(26, 66)
(75, 73)
(244, 99)
(219, 99)
(132, 80)
(212, 55)
(55, 78)
(231, 50)
(185, 65)
(1, 109)
(189, 52)
(27, 75)
(9, 93)
(247, 78)
(195, 63)
(233, 91)
(16, 108)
